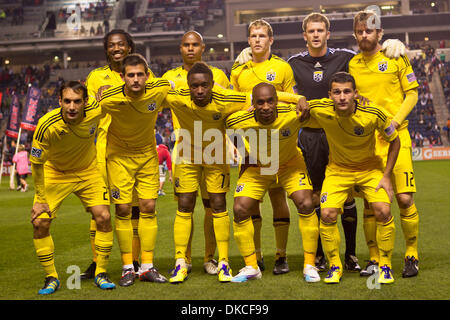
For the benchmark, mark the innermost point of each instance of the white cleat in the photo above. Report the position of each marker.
(311, 274)
(247, 273)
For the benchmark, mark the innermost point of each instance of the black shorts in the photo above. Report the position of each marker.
(314, 146)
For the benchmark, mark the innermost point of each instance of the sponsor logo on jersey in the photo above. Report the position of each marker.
(35, 152)
(318, 76)
(358, 130)
(270, 75)
(115, 193)
(152, 106)
(382, 66)
(323, 197)
(239, 188)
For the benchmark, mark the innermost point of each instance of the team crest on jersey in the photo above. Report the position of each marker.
(270, 75)
(358, 130)
(239, 188)
(35, 152)
(323, 197)
(318, 76)
(115, 193)
(152, 106)
(285, 132)
(177, 182)
(217, 116)
(382, 66)
(92, 129)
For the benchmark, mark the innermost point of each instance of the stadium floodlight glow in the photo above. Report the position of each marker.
(7, 61)
(220, 36)
(226, 49)
(56, 58)
(426, 39)
(211, 49)
(433, 4)
(69, 58)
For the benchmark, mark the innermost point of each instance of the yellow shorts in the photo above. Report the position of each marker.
(128, 173)
(188, 177)
(92, 192)
(292, 177)
(403, 174)
(340, 182)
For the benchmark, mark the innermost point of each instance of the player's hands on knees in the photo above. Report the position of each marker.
(245, 56)
(100, 91)
(38, 209)
(393, 48)
(302, 109)
(386, 184)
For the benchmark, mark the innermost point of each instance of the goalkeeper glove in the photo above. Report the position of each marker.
(393, 48)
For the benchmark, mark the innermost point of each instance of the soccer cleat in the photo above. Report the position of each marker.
(128, 277)
(225, 273)
(334, 275)
(102, 281)
(281, 266)
(210, 267)
(161, 193)
(411, 268)
(351, 264)
(321, 263)
(247, 273)
(179, 274)
(51, 284)
(370, 269)
(311, 274)
(385, 276)
(90, 272)
(152, 275)
(261, 265)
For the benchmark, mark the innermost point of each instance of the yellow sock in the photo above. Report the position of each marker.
(210, 238)
(221, 223)
(181, 233)
(385, 240)
(103, 246)
(281, 227)
(309, 228)
(243, 234)
(257, 225)
(45, 250)
(124, 232)
(331, 240)
(136, 244)
(409, 219)
(370, 232)
(92, 229)
(188, 257)
(148, 229)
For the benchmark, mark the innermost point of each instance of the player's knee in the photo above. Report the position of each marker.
(240, 212)
(382, 213)
(328, 215)
(123, 210)
(405, 200)
(41, 227)
(305, 205)
(186, 202)
(147, 206)
(218, 203)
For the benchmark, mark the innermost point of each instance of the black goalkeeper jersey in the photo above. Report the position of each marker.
(312, 74)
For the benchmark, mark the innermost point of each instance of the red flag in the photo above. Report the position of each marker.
(30, 110)
(12, 130)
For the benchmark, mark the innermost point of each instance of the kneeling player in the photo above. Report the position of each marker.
(350, 129)
(63, 161)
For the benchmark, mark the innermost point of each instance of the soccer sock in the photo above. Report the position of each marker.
(148, 229)
(221, 223)
(244, 235)
(181, 233)
(210, 238)
(331, 240)
(103, 246)
(92, 229)
(309, 229)
(281, 227)
(349, 221)
(45, 250)
(136, 245)
(124, 232)
(188, 257)
(257, 225)
(410, 225)
(319, 252)
(370, 232)
(385, 240)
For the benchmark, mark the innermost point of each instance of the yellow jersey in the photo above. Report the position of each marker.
(274, 70)
(131, 132)
(283, 131)
(384, 81)
(179, 77)
(198, 120)
(352, 139)
(66, 151)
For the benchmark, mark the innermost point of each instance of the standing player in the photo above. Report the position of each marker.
(132, 161)
(350, 129)
(267, 67)
(63, 161)
(164, 160)
(391, 84)
(191, 49)
(290, 172)
(117, 45)
(201, 108)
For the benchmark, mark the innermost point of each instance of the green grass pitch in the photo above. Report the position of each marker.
(22, 274)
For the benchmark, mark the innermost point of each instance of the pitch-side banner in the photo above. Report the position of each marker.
(436, 153)
(12, 129)
(30, 109)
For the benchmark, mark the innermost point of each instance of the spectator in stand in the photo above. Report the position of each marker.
(21, 161)
(165, 161)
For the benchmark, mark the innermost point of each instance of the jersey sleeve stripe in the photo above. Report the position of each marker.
(112, 92)
(48, 124)
(236, 120)
(380, 115)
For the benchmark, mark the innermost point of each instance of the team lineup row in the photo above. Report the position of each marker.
(345, 111)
